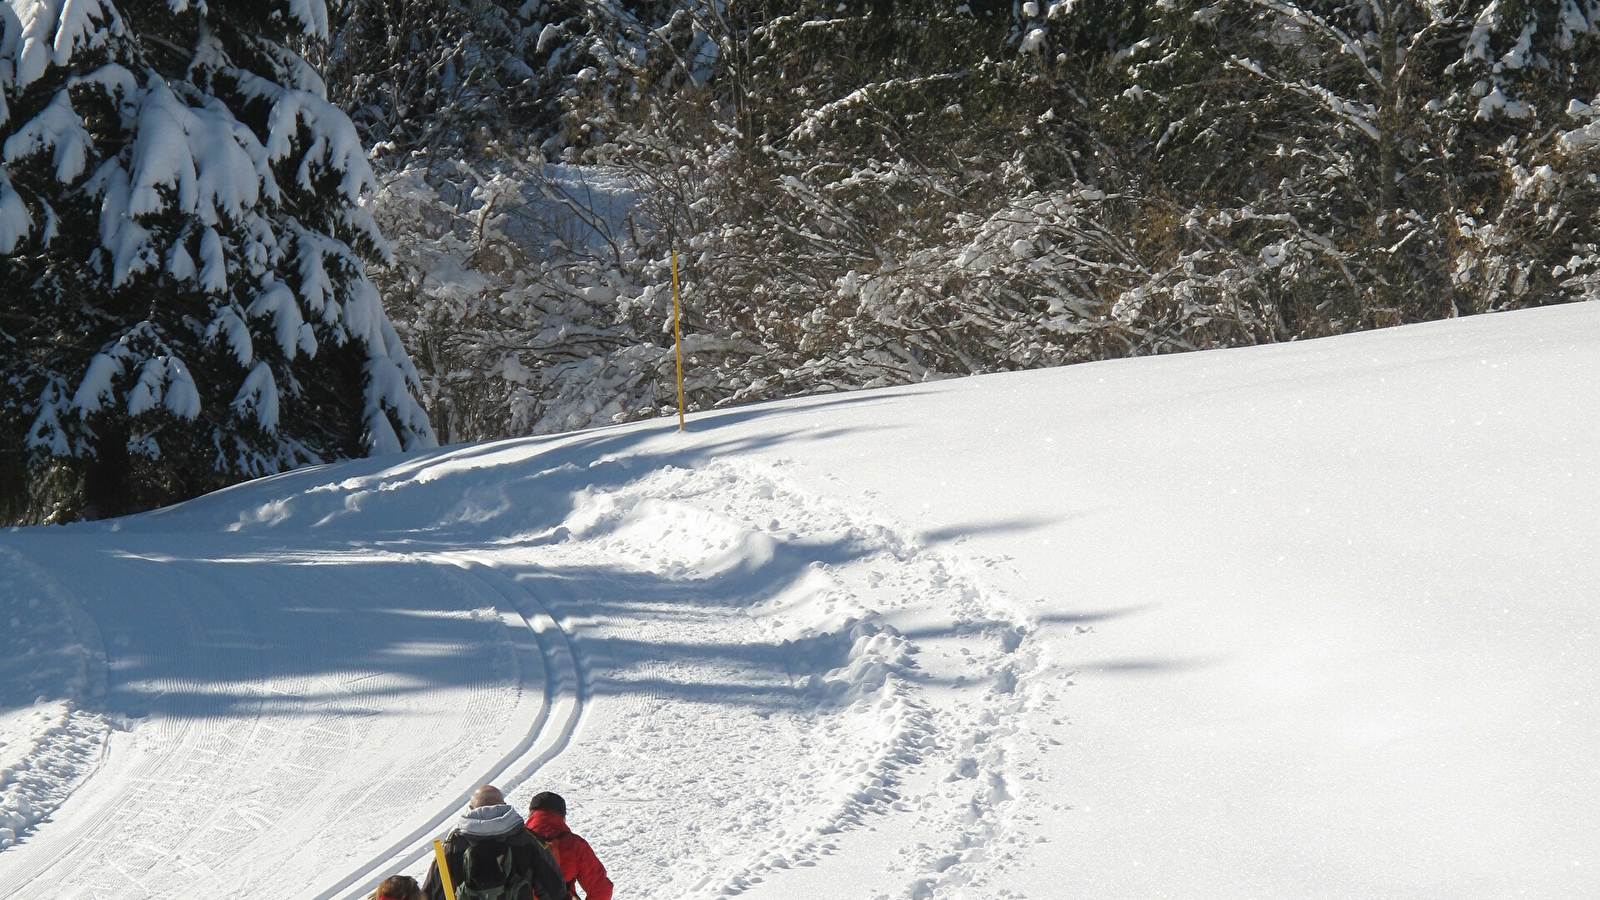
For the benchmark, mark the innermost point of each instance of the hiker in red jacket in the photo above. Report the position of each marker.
(547, 818)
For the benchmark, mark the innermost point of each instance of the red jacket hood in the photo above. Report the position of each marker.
(547, 824)
(578, 863)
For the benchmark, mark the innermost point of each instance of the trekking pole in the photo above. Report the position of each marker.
(444, 871)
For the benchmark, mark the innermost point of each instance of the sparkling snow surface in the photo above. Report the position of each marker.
(1310, 620)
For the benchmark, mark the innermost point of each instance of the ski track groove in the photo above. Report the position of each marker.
(549, 735)
(843, 573)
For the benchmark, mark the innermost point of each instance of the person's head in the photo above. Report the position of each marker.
(550, 802)
(398, 887)
(486, 795)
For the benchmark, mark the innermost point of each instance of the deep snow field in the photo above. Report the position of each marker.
(1313, 620)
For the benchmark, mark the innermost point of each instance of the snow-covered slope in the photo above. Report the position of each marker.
(1310, 620)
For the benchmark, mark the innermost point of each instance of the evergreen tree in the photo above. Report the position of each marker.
(185, 301)
(432, 75)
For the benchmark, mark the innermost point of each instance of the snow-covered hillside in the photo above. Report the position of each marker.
(1307, 620)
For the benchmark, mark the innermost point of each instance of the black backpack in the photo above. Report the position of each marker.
(489, 872)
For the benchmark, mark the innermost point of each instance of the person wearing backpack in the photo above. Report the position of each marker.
(493, 856)
(547, 818)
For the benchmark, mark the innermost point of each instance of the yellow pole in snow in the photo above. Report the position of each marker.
(677, 336)
(444, 871)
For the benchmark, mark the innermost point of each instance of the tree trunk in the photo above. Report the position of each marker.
(1389, 110)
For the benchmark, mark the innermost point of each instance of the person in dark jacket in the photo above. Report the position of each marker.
(498, 841)
(547, 818)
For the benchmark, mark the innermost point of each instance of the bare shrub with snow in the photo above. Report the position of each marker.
(870, 196)
(519, 289)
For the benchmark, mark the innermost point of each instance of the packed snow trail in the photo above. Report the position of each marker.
(540, 647)
(264, 692)
(1309, 620)
(703, 608)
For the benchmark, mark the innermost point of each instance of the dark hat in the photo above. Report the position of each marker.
(549, 802)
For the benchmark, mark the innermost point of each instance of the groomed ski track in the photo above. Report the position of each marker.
(337, 733)
(133, 840)
(1311, 620)
(542, 647)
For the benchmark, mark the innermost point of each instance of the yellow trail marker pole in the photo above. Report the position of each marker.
(444, 871)
(677, 336)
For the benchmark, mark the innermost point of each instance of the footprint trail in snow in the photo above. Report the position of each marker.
(725, 618)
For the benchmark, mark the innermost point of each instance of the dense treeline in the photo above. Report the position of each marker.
(858, 194)
(875, 193)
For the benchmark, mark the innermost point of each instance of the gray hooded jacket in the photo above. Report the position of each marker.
(494, 831)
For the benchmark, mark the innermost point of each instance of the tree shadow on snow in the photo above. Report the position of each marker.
(268, 596)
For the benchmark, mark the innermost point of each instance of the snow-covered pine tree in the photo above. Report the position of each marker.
(480, 76)
(1526, 210)
(185, 302)
(508, 287)
(441, 76)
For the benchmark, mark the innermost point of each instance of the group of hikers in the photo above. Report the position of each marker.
(492, 853)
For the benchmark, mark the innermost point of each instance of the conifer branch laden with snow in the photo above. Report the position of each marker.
(184, 251)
